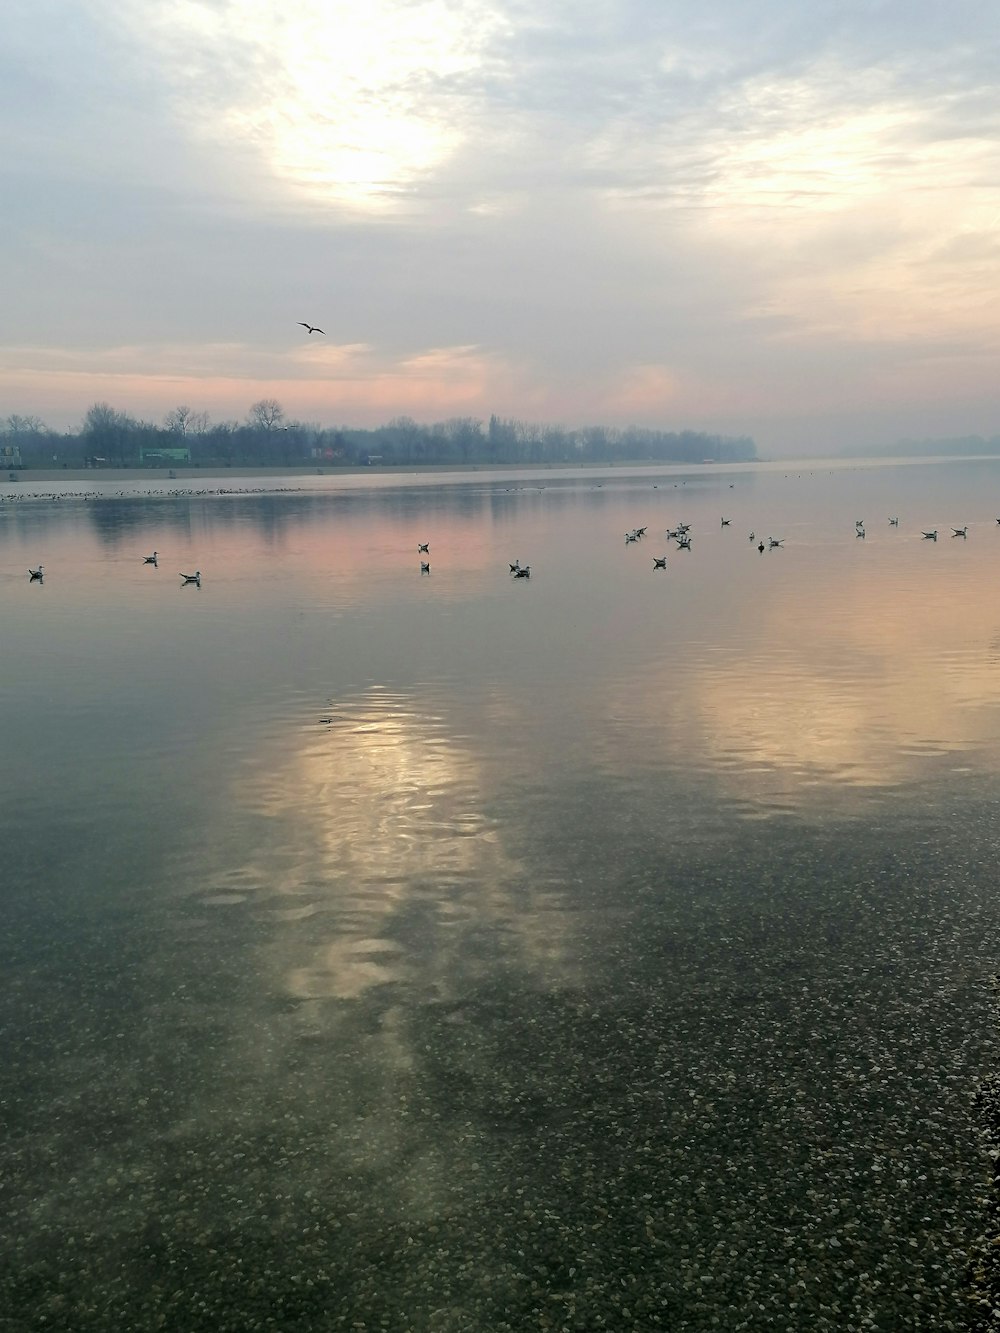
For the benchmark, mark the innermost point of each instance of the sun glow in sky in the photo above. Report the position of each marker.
(750, 221)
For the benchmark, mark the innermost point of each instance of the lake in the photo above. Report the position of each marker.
(612, 948)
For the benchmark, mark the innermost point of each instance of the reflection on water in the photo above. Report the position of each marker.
(386, 862)
(609, 949)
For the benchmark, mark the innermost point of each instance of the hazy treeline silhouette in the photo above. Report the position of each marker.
(268, 438)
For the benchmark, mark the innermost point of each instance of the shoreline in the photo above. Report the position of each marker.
(183, 477)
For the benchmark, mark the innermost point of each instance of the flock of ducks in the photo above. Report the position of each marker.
(38, 575)
(681, 534)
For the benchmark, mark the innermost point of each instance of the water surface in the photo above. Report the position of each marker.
(610, 948)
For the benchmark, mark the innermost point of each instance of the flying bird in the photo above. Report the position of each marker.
(310, 328)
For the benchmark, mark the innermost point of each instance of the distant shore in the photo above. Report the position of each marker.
(31, 476)
(401, 470)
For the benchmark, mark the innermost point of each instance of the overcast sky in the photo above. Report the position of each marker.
(747, 216)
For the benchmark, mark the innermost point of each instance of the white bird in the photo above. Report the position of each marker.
(931, 536)
(893, 522)
(772, 542)
(149, 559)
(523, 573)
(425, 567)
(960, 532)
(35, 573)
(423, 546)
(659, 562)
(310, 328)
(193, 578)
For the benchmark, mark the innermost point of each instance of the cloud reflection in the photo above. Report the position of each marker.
(390, 870)
(834, 685)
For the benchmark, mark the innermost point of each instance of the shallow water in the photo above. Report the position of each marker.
(610, 948)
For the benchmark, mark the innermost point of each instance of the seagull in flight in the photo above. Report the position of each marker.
(310, 328)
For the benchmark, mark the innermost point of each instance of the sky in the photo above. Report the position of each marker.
(749, 217)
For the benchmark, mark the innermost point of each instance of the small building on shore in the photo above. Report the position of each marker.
(164, 455)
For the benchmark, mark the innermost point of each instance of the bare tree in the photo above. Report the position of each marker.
(266, 414)
(19, 427)
(185, 421)
(109, 432)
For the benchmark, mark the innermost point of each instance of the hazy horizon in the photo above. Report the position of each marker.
(747, 221)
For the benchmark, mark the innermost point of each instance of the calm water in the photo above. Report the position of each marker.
(612, 948)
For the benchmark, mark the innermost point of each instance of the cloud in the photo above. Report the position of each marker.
(660, 209)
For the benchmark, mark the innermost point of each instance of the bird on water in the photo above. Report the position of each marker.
(193, 578)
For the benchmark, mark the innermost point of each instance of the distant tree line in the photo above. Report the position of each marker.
(268, 438)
